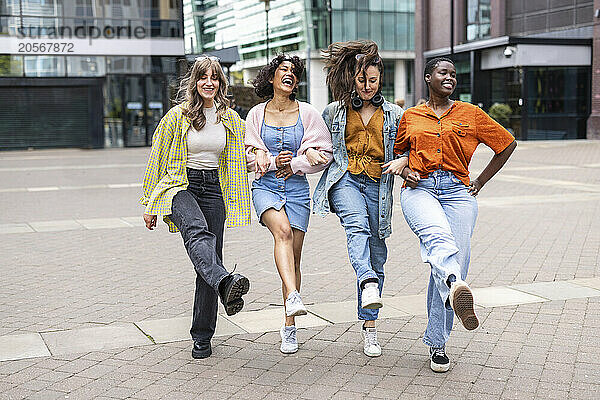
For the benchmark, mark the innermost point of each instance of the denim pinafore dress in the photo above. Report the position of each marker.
(271, 192)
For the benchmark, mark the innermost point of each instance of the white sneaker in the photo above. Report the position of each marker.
(289, 342)
(370, 296)
(372, 347)
(461, 301)
(294, 305)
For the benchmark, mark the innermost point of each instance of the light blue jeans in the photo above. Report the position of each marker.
(442, 214)
(354, 198)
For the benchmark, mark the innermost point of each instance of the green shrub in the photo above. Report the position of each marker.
(501, 113)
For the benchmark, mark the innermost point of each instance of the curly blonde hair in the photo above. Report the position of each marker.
(188, 92)
(343, 67)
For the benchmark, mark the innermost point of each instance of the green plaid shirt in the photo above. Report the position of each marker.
(166, 172)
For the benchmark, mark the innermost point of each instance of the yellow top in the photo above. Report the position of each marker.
(365, 143)
(166, 172)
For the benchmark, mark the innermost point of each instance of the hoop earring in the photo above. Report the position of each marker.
(356, 102)
(377, 100)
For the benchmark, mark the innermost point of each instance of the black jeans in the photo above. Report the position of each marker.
(199, 214)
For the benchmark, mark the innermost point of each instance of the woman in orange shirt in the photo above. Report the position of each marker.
(438, 200)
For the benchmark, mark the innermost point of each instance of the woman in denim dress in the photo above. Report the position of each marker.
(285, 140)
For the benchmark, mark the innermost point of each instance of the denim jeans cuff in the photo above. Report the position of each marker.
(429, 343)
(371, 275)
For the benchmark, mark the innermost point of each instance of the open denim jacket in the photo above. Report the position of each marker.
(335, 119)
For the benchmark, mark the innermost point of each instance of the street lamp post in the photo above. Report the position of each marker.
(452, 28)
(329, 22)
(267, 9)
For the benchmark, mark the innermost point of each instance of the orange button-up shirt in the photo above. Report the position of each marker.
(365, 143)
(448, 142)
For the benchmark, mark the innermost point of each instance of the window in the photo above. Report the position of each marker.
(478, 19)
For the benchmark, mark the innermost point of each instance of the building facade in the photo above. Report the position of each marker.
(303, 28)
(533, 56)
(86, 73)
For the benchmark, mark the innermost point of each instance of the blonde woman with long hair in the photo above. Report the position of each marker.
(196, 178)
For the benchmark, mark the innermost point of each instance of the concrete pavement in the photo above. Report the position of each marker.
(79, 270)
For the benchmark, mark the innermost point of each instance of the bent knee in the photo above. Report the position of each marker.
(283, 233)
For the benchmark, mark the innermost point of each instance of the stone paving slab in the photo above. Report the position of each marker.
(94, 339)
(55, 226)
(177, 329)
(271, 319)
(134, 221)
(103, 223)
(589, 282)
(557, 290)
(17, 347)
(15, 228)
(411, 305)
(345, 311)
(502, 296)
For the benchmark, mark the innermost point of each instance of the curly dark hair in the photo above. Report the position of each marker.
(433, 63)
(264, 88)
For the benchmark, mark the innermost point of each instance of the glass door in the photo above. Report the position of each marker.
(156, 94)
(135, 118)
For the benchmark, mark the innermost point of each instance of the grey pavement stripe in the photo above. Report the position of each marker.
(30, 345)
(89, 223)
(82, 187)
(584, 187)
(541, 168)
(50, 157)
(508, 201)
(68, 167)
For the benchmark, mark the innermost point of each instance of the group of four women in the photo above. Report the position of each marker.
(196, 179)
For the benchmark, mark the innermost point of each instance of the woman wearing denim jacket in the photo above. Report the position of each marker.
(196, 177)
(355, 185)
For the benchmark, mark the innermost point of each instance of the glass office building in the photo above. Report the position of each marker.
(86, 73)
(303, 27)
(533, 59)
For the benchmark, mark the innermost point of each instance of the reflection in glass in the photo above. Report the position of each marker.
(11, 65)
(113, 111)
(40, 66)
(86, 66)
(128, 65)
(134, 111)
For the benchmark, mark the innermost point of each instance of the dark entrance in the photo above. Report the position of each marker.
(133, 107)
(49, 112)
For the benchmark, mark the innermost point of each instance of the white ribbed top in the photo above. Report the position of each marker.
(205, 146)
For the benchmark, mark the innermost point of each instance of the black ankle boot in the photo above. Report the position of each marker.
(231, 290)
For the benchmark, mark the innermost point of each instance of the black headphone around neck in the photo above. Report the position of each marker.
(357, 103)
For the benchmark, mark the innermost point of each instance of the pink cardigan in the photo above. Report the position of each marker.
(316, 136)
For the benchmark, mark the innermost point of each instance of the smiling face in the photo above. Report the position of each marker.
(442, 80)
(208, 86)
(284, 81)
(367, 84)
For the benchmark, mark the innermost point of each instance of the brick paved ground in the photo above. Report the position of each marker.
(539, 221)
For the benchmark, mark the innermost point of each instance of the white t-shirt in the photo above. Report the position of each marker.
(205, 146)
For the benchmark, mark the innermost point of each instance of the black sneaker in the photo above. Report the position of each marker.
(231, 290)
(201, 350)
(439, 360)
